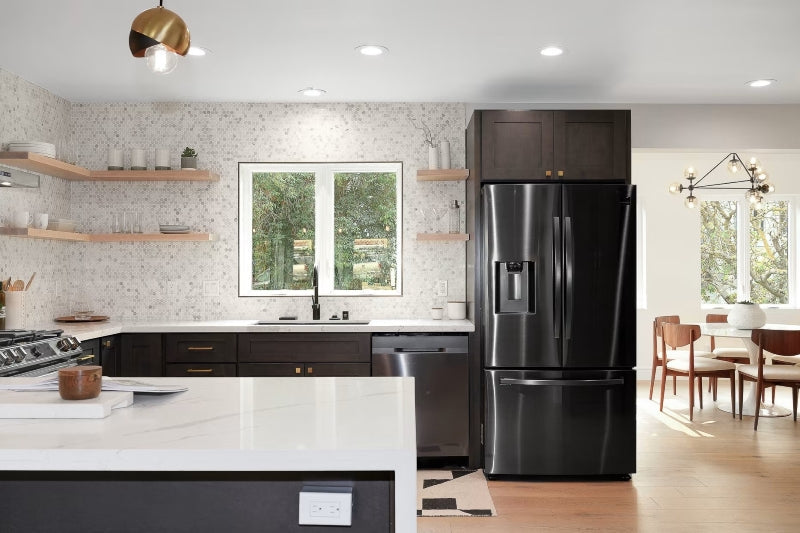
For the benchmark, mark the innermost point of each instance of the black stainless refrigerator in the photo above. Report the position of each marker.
(559, 325)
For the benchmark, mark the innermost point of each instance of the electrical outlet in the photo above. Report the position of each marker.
(441, 287)
(326, 506)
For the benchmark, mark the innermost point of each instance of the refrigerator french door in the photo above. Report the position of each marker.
(559, 319)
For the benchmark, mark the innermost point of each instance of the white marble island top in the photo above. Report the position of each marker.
(237, 424)
(93, 330)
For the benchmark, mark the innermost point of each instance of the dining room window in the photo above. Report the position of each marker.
(747, 253)
(345, 218)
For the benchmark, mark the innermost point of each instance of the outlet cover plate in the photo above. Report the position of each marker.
(326, 506)
(441, 287)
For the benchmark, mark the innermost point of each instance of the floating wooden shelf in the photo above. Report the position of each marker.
(442, 236)
(33, 233)
(456, 174)
(53, 167)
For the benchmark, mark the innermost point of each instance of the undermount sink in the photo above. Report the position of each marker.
(312, 322)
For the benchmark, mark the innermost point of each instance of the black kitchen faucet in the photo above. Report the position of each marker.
(315, 297)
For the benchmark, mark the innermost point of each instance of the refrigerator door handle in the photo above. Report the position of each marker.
(562, 382)
(557, 277)
(569, 255)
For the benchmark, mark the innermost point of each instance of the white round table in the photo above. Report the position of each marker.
(751, 399)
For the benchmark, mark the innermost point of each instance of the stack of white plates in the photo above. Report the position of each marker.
(33, 146)
(172, 228)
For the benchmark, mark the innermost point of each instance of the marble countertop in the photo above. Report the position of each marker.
(93, 330)
(236, 424)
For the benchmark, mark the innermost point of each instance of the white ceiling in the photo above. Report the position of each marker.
(617, 51)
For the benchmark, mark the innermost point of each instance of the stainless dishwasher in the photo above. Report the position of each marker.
(439, 365)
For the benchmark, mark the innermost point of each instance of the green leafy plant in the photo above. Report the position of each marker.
(189, 152)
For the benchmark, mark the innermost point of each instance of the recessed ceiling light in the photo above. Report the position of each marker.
(551, 51)
(311, 91)
(372, 49)
(760, 83)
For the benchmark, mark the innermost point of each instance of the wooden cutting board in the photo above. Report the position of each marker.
(48, 404)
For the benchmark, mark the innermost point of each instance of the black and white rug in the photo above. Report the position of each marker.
(453, 493)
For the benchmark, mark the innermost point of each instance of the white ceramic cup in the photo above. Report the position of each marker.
(114, 159)
(21, 219)
(40, 220)
(138, 160)
(456, 310)
(162, 159)
(437, 313)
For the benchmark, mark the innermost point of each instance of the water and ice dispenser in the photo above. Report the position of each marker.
(514, 287)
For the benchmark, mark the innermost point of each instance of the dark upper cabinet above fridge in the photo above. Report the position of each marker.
(557, 145)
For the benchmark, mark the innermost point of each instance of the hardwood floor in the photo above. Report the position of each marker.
(713, 474)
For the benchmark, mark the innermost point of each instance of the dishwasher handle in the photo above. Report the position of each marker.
(419, 350)
(562, 382)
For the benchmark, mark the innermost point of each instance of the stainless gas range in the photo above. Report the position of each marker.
(31, 353)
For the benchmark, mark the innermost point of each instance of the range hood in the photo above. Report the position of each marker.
(11, 177)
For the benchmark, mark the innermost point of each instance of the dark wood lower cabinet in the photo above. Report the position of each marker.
(110, 356)
(201, 370)
(304, 369)
(141, 354)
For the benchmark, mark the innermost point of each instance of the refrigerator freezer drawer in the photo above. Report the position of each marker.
(560, 423)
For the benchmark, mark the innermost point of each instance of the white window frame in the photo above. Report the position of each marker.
(743, 248)
(323, 220)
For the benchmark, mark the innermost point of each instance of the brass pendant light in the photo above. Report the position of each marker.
(159, 26)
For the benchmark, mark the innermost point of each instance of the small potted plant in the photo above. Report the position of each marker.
(747, 315)
(189, 159)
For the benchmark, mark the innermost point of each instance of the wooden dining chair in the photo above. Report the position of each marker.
(779, 342)
(671, 354)
(733, 355)
(677, 336)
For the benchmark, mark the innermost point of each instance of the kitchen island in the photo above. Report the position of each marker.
(229, 451)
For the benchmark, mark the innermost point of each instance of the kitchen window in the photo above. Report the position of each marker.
(747, 253)
(345, 218)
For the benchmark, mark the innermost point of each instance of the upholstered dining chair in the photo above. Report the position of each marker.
(780, 342)
(671, 354)
(733, 355)
(676, 336)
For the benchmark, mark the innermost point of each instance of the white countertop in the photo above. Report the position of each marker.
(93, 330)
(237, 424)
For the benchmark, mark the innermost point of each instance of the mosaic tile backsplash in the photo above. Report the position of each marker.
(197, 281)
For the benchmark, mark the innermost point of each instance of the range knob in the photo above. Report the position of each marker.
(64, 344)
(35, 352)
(5, 358)
(20, 354)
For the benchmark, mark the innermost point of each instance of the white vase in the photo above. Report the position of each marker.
(747, 316)
(444, 151)
(433, 157)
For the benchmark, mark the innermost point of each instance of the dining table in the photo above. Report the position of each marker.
(751, 399)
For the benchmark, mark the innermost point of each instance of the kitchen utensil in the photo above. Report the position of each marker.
(21, 219)
(28, 286)
(7, 284)
(19, 285)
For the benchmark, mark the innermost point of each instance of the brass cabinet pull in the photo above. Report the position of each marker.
(199, 370)
(298, 370)
(86, 357)
(560, 173)
(200, 348)
(548, 173)
(107, 344)
(310, 370)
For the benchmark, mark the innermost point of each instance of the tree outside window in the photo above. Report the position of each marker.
(744, 252)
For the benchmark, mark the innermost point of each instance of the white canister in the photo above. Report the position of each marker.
(457, 310)
(114, 159)
(138, 160)
(40, 220)
(162, 159)
(21, 219)
(437, 313)
(15, 309)
(433, 157)
(444, 154)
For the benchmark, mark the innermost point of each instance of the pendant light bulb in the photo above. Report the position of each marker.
(160, 60)
(691, 202)
(675, 188)
(733, 165)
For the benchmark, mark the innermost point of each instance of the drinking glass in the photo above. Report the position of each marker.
(116, 223)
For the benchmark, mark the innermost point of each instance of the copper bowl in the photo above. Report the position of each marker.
(80, 382)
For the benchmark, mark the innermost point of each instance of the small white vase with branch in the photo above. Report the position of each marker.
(433, 150)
